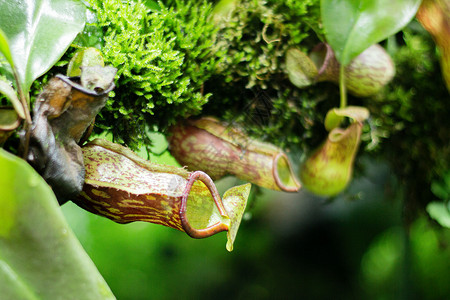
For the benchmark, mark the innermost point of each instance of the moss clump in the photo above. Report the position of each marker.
(257, 34)
(163, 57)
(250, 85)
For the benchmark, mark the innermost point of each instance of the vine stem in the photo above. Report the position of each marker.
(342, 88)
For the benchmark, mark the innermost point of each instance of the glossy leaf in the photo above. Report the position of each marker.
(39, 32)
(351, 26)
(40, 258)
(4, 48)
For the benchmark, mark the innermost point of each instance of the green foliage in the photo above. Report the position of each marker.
(9, 92)
(175, 62)
(317, 250)
(257, 35)
(38, 39)
(421, 258)
(353, 26)
(40, 258)
(411, 114)
(440, 210)
(250, 85)
(32, 41)
(163, 58)
(172, 61)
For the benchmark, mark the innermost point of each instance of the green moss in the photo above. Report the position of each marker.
(250, 85)
(257, 35)
(163, 58)
(177, 62)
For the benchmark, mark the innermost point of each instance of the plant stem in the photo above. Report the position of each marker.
(342, 88)
(25, 100)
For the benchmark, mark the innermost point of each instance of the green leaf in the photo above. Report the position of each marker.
(39, 32)
(440, 211)
(10, 93)
(152, 5)
(440, 190)
(351, 26)
(40, 258)
(4, 47)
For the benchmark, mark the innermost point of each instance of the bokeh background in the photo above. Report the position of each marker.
(290, 246)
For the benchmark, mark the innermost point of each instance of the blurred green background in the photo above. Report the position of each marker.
(290, 246)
